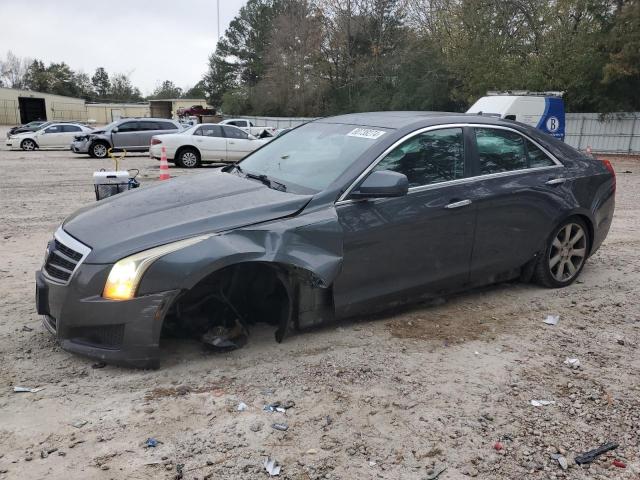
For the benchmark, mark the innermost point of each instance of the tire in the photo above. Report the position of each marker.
(28, 145)
(99, 149)
(565, 254)
(188, 158)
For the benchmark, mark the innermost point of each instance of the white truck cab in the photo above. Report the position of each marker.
(542, 110)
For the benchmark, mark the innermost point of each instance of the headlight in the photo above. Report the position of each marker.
(126, 274)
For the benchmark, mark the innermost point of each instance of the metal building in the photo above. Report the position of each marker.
(168, 108)
(22, 106)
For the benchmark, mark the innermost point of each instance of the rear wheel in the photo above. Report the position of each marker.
(565, 254)
(99, 150)
(28, 145)
(188, 158)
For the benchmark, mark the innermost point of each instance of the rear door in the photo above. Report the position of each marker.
(146, 130)
(417, 243)
(518, 192)
(68, 132)
(211, 142)
(126, 136)
(239, 145)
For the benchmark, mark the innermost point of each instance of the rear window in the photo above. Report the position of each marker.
(71, 128)
(167, 126)
(500, 151)
(232, 132)
(147, 125)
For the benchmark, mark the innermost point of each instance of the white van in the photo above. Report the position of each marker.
(542, 110)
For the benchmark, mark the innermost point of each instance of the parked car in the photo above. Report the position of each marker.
(131, 134)
(249, 127)
(195, 110)
(53, 135)
(27, 127)
(205, 143)
(341, 216)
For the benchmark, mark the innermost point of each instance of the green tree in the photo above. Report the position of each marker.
(197, 91)
(37, 77)
(101, 83)
(122, 90)
(166, 89)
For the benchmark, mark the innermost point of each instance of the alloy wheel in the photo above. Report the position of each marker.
(99, 150)
(189, 159)
(28, 145)
(568, 252)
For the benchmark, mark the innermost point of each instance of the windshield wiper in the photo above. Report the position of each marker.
(262, 178)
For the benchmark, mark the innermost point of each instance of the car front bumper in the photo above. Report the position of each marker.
(119, 332)
(80, 146)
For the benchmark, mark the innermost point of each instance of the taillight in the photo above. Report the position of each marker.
(608, 166)
(155, 141)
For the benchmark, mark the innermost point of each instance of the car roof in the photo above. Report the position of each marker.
(402, 119)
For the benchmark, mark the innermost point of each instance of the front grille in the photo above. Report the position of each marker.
(61, 261)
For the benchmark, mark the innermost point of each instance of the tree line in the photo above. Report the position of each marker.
(319, 57)
(61, 79)
(322, 57)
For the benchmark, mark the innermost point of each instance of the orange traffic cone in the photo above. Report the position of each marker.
(164, 166)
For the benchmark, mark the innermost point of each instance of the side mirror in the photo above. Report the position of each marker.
(114, 130)
(382, 183)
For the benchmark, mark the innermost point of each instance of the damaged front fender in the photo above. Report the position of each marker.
(308, 247)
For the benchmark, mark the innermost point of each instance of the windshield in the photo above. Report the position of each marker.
(313, 155)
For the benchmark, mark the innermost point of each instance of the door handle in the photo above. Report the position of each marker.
(555, 181)
(461, 203)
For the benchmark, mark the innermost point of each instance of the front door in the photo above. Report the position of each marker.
(126, 136)
(417, 244)
(52, 137)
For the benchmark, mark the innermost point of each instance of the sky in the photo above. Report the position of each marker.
(151, 40)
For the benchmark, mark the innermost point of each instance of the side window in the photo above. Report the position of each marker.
(231, 132)
(168, 126)
(430, 157)
(209, 131)
(53, 129)
(147, 125)
(537, 158)
(500, 150)
(71, 128)
(128, 127)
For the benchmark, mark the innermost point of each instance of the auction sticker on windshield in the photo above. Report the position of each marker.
(366, 133)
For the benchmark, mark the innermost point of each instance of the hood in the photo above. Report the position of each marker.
(23, 134)
(172, 210)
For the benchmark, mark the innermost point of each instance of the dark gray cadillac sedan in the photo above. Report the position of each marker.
(339, 217)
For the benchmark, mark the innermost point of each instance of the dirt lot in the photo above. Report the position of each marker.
(387, 397)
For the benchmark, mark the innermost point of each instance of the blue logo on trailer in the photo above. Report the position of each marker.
(552, 121)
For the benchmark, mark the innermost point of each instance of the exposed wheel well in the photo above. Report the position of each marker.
(251, 292)
(30, 140)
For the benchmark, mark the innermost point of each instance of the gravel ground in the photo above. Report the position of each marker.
(392, 397)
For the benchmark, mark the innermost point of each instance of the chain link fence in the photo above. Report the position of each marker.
(614, 133)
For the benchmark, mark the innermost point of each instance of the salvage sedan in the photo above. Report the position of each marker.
(339, 217)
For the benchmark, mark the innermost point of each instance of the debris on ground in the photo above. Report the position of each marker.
(591, 455)
(279, 406)
(562, 461)
(151, 442)
(26, 328)
(79, 423)
(225, 339)
(27, 389)
(272, 467)
(498, 446)
(619, 464)
(242, 407)
(283, 427)
(98, 365)
(542, 403)
(552, 319)
(435, 472)
(572, 363)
